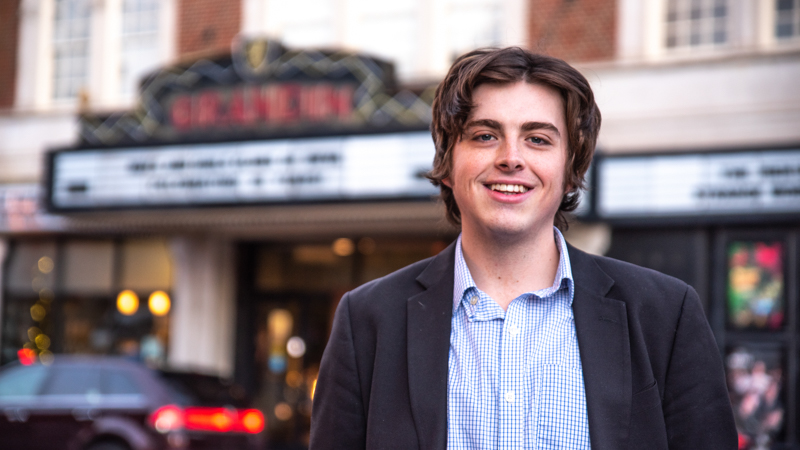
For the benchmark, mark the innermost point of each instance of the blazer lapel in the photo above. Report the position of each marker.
(601, 325)
(429, 320)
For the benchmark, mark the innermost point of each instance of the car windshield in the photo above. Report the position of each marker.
(191, 389)
(21, 380)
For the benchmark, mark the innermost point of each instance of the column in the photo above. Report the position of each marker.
(202, 324)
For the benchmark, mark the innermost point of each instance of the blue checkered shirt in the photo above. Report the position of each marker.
(514, 377)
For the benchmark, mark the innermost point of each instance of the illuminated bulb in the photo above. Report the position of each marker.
(46, 357)
(343, 247)
(38, 312)
(296, 347)
(294, 379)
(127, 302)
(42, 341)
(283, 411)
(46, 295)
(45, 264)
(37, 283)
(159, 303)
(33, 332)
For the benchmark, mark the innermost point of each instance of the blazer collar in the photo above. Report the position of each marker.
(601, 325)
(429, 319)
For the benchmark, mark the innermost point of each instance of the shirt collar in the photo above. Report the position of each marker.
(464, 285)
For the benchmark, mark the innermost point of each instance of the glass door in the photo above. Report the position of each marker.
(291, 333)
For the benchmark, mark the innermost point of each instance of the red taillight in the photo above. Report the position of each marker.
(220, 420)
(210, 419)
(167, 418)
(252, 420)
(26, 356)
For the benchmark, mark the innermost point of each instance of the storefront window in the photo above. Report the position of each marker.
(67, 297)
(755, 285)
(755, 383)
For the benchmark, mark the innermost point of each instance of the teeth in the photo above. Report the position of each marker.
(508, 188)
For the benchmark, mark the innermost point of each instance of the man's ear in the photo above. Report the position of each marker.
(447, 182)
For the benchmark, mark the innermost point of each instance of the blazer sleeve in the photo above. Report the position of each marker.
(338, 420)
(697, 409)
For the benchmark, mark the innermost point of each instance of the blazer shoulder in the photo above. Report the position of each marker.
(638, 284)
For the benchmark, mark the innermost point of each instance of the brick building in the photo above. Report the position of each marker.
(207, 25)
(9, 25)
(577, 31)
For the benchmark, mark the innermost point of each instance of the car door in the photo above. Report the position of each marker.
(68, 405)
(19, 386)
(123, 396)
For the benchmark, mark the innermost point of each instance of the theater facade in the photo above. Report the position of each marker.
(215, 227)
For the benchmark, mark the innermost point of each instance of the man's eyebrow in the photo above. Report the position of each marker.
(527, 126)
(530, 126)
(489, 123)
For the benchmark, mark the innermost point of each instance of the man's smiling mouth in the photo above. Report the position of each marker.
(509, 189)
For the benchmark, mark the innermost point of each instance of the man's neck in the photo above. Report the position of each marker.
(508, 267)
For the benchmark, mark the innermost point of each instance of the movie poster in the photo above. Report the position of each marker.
(755, 386)
(755, 285)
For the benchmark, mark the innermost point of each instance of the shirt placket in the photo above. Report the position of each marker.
(513, 397)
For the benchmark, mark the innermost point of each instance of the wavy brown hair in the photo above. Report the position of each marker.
(452, 106)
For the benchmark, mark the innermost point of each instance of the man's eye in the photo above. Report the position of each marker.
(538, 140)
(485, 137)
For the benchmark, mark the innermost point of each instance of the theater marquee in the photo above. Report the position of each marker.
(264, 124)
(734, 184)
(349, 168)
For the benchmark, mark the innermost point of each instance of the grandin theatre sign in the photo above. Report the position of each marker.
(264, 124)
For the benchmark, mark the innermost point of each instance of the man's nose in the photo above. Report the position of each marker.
(509, 157)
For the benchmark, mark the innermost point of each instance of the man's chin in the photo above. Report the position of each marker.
(513, 231)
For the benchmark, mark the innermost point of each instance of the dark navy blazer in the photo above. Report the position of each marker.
(652, 370)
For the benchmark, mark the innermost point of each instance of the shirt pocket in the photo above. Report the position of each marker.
(562, 420)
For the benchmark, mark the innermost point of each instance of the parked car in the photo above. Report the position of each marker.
(108, 403)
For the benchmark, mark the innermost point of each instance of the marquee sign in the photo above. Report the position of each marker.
(699, 185)
(264, 90)
(371, 167)
(261, 125)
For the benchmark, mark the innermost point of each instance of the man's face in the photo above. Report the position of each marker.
(508, 167)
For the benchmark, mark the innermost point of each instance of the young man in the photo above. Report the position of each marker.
(510, 338)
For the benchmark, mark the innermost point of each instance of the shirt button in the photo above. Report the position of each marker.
(513, 330)
(510, 396)
(473, 300)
